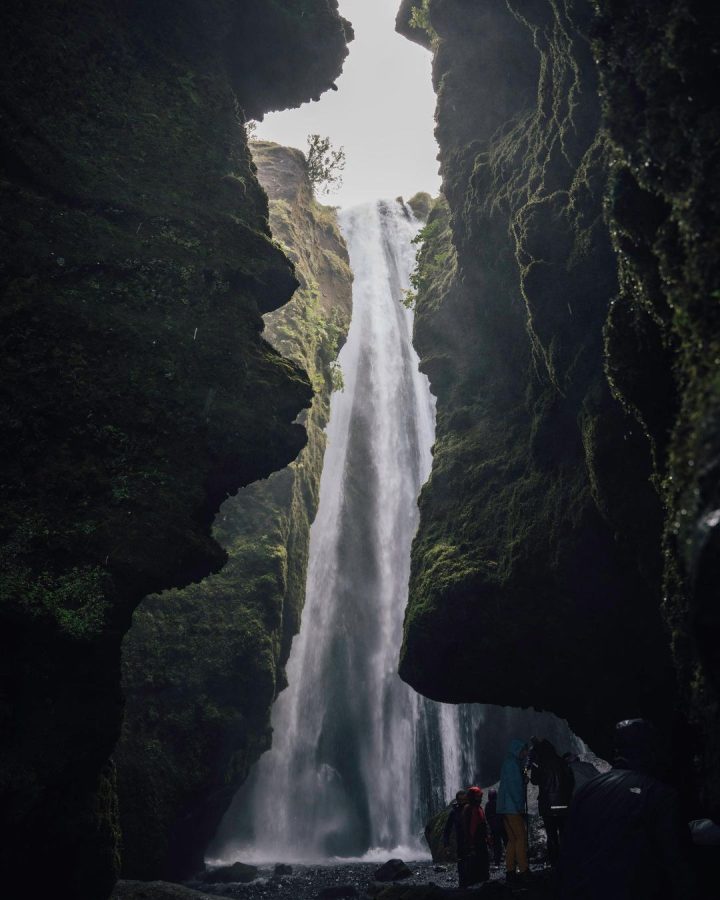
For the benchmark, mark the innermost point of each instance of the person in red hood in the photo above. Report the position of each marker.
(475, 829)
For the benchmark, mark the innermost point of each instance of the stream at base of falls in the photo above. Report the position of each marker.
(359, 761)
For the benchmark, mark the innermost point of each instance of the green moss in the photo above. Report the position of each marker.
(203, 665)
(656, 69)
(421, 204)
(519, 540)
(136, 388)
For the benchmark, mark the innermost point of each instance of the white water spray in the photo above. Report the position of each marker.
(358, 759)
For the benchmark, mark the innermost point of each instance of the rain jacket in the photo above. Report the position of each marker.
(494, 819)
(454, 824)
(582, 771)
(477, 864)
(555, 779)
(511, 793)
(625, 839)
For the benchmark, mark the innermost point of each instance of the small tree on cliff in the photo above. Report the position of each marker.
(325, 164)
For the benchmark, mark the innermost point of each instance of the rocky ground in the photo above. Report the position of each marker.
(428, 881)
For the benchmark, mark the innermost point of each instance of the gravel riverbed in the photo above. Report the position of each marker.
(308, 882)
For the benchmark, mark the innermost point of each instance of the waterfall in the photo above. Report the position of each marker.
(358, 759)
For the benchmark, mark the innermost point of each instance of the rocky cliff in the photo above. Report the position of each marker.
(657, 66)
(542, 526)
(202, 665)
(137, 390)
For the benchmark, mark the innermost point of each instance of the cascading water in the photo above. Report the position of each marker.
(358, 759)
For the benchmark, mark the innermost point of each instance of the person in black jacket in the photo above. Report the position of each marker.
(454, 825)
(625, 837)
(554, 778)
(496, 826)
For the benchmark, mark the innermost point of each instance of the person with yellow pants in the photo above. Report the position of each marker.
(511, 804)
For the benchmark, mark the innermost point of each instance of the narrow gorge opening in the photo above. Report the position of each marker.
(362, 761)
(239, 655)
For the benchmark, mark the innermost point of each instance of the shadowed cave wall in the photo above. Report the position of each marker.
(137, 391)
(567, 318)
(203, 665)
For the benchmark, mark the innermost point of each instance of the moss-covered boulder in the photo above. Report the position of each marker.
(203, 665)
(434, 831)
(136, 390)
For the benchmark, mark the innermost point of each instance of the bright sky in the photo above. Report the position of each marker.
(382, 112)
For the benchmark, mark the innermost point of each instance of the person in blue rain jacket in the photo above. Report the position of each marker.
(511, 804)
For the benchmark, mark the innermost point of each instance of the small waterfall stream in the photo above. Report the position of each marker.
(358, 759)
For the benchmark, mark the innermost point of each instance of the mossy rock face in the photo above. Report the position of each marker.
(137, 390)
(536, 569)
(421, 204)
(282, 53)
(434, 831)
(203, 665)
(658, 65)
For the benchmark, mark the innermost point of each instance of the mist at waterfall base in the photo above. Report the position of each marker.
(359, 761)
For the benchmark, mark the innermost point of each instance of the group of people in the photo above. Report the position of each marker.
(618, 834)
(502, 826)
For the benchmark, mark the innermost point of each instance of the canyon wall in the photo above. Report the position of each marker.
(557, 529)
(657, 68)
(137, 390)
(203, 665)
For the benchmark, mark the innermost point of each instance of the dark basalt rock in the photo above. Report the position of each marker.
(657, 66)
(202, 666)
(137, 390)
(237, 872)
(313, 38)
(409, 22)
(392, 870)
(156, 890)
(518, 543)
(569, 521)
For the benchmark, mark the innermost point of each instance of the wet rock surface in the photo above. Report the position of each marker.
(393, 870)
(237, 872)
(316, 882)
(521, 517)
(202, 665)
(136, 388)
(154, 890)
(563, 319)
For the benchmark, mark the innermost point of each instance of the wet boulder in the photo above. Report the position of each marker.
(237, 872)
(434, 836)
(392, 870)
(282, 869)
